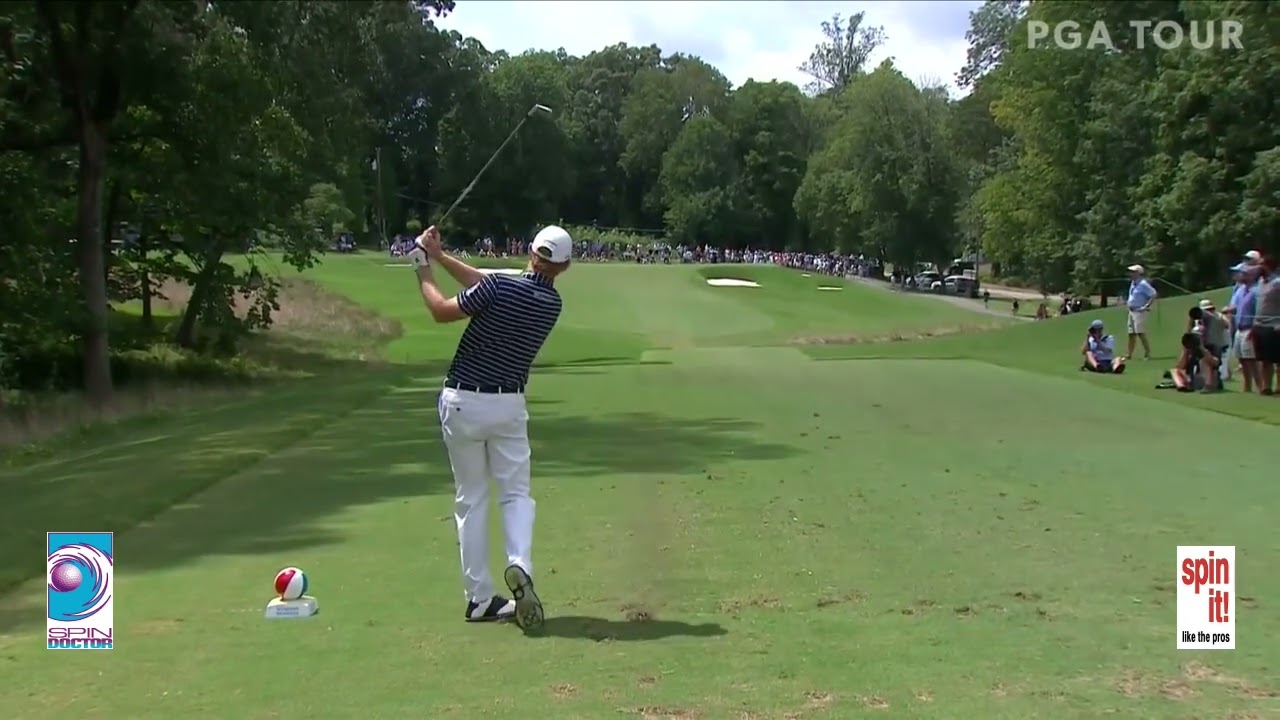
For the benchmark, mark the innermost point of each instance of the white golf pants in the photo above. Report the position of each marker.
(487, 437)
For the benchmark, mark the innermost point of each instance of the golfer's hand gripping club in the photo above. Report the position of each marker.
(426, 246)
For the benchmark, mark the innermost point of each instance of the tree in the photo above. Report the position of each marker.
(843, 55)
(886, 185)
(990, 34)
(660, 101)
(767, 125)
(697, 181)
(85, 48)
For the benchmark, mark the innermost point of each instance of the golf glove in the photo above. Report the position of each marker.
(418, 256)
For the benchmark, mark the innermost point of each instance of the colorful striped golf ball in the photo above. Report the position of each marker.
(291, 583)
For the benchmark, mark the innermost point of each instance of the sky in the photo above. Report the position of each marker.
(761, 39)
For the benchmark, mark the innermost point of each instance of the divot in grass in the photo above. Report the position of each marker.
(731, 282)
(829, 287)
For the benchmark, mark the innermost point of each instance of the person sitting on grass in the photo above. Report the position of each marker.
(1099, 351)
(1197, 368)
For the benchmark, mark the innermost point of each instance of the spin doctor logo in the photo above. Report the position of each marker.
(81, 595)
(1206, 597)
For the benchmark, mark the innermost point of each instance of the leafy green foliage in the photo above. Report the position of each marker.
(145, 143)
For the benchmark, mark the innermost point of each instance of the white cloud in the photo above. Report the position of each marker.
(762, 40)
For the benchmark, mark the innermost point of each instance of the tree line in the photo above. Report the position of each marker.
(143, 141)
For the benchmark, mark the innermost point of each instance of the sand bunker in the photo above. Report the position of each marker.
(731, 282)
(501, 271)
(829, 287)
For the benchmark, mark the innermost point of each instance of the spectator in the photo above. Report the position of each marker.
(1207, 326)
(1243, 310)
(1231, 361)
(1099, 351)
(1196, 366)
(1141, 296)
(1266, 326)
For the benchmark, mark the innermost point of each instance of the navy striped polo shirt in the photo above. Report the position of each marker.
(511, 317)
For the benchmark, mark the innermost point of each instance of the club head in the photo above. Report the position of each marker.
(539, 110)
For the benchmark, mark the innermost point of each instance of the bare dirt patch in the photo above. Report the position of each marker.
(1199, 672)
(659, 712)
(818, 699)
(859, 339)
(924, 696)
(875, 702)
(564, 691)
(1135, 684)
(850, 598)
(735, 606)
(637, 613)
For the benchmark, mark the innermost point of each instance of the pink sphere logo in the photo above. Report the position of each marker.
(65, 577)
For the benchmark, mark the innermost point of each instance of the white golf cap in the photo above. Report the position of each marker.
(1206, 304)
(1253, 256)
(1136, 268)
(553, 243)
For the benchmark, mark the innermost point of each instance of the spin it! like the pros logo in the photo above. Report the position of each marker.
(1206, 597)
(81, 596)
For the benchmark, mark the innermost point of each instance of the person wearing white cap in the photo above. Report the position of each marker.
(1253, 257)
(1204, 321)
(1141, 296)
(483, 413)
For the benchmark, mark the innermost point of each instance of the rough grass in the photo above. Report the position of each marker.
(315, 331)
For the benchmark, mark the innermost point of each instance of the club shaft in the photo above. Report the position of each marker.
(467, 190)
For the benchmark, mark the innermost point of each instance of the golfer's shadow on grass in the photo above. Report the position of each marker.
(577, 627)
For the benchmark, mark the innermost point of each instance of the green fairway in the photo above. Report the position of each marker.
(952, 527)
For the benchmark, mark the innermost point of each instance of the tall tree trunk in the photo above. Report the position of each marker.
(110, 212)
(93, 278)
(144, 282)
(187, 329)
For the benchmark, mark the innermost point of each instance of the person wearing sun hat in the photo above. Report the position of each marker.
(1242, 310)
(1139, 300)
(1215, 335)
(1232, 360)
(1099, 351)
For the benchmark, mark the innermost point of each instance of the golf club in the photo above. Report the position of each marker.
(535, 110)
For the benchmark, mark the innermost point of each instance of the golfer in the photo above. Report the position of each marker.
(483, 413)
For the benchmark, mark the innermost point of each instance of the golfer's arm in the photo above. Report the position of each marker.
(464, 274)
(442, 309)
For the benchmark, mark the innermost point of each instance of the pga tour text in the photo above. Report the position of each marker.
(1206, 586)
(1139, 34)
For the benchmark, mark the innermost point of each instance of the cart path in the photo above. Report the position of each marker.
(966, 303)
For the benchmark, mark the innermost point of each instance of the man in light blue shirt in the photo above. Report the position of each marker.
(1099, 351)
(1141, 296)
(1243, 309)
(1232, 358)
